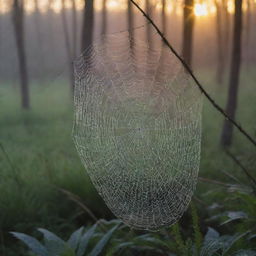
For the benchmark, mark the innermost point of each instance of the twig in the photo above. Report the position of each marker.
(199, 85)
(247, 173)
(197, 199)
(77, 200)
(213, 181)
(232, 177)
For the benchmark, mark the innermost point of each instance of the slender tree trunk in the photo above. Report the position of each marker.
(248, 32)
(148, 27)
(74, 23)
(227, 131)
(226, 29)
(188, 24)
(220, 52)
(87, 28)
(68, 46)
(39, 39)
(130, 24)
(164, 16)
(18, 21)
(104, 17)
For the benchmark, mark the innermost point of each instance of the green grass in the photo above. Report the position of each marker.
(43, 156)
(40, 147)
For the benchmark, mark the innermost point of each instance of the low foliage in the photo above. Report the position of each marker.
(96, 240)
(81, 242)
(40, 148)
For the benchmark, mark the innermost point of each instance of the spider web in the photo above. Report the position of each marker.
(137, 129)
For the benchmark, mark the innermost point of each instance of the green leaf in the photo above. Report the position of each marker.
(75, 238)
(234, 215)
(245, 253)
(147, 239)
(211, 234)
(85, 240)
(68, 252)
(50, 236)
(103, 242)
(33, 244)
(252, 236)
(232, 239)
(55, 245)
(123, 245)
(55, 248)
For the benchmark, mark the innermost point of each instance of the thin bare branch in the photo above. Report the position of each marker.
(199, 85)
(79, 202)
(247, 173)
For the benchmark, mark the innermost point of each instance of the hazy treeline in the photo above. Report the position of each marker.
(45, 40)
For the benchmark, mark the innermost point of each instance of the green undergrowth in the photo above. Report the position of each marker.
(42, 178)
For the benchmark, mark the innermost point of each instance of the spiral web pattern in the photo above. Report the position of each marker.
(137, 129)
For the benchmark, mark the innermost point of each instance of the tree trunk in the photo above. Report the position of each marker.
(87, 28)
(188, 24)
(130, 25)
(148, 26)
(164, 16)
(39, 39)
(68, 46)
(248, 32)
(227, 131)
(18, 21)
(220, 52)
(226, 31)
(74, 23)
(104, 18)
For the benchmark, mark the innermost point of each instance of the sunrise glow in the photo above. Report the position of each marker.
(200, 10)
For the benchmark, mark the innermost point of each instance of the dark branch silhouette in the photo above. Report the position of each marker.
(74, 27)
(247, 173)
(199, 85)
(18, 22)
(220, 42)
(87, 26)
(188, 25)
(68, 46)
(227, 131)
(104, 17)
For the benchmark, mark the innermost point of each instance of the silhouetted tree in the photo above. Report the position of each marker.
(226, 30)
(148, 26)
(220, 43)
(87, 27)
(68, 46)
(248, 31)
(164, 16)
(39, 39)
(227, 131)
(104, 17)
(130, 19)
(74, 27)
(188, 24)
(18, 22)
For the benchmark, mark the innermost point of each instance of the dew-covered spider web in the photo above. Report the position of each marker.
(137, 129)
